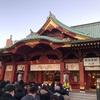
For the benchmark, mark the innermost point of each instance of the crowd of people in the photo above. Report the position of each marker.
(32, 91)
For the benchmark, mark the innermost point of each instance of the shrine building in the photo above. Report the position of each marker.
(53, 53)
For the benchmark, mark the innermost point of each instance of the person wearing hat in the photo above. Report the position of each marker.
(8, 93)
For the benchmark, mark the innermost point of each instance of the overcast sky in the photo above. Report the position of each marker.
(17, 17)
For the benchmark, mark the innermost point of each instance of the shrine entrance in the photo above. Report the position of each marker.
(50, 76)
(46, 73)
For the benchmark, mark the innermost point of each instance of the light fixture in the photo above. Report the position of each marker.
(93, 76)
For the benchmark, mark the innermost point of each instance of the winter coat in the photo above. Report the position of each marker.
(66, 85)
(30, 97)
(1, 93)
(7, 96)
(18, 95)
(44, 94)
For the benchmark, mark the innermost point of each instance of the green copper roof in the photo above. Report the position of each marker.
(92, 29)
(50, 39)
(44, 37)
(33, 37)
(53, 18)
(69, 28)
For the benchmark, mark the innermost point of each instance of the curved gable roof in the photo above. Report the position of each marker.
(52, 20)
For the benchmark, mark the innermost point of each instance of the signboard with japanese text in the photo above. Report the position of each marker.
(8, 72)
(45, 67)
(92, 68)
(9, 67)
(95, 61)
(20, 67)
(72, 66)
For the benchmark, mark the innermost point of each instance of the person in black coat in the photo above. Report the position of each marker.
(44, 93)
(52, 86)
(19, 93)
(8, 93)
(32, 95)
(2, 86)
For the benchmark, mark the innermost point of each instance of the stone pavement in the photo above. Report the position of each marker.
(88, 95)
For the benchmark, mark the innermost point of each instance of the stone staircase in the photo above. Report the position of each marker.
(83, 96)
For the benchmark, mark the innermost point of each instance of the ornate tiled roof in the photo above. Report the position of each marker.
(53, 18)
(68, 28)
(44, 37)
(92, 29)
(80, 30)
(63, 26)
(52, 40)
(33, 37)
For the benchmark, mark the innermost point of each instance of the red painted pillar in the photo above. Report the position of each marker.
(82, 77)
(2, 72)
(25, 78)
(13, 73)
(61, 72)
(39, 78)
